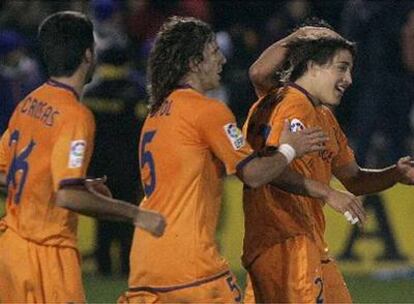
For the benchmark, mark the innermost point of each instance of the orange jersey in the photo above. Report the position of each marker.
(185, 149)
(272, 215)
(48, 143)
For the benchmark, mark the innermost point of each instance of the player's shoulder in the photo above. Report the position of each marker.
(329, 114)
(295, 102)
(82, 109)
(252, 109)
(73, 109)
(295, 97)
(199, 103)
(327, 110)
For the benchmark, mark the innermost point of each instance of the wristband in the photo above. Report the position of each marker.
(287, 151)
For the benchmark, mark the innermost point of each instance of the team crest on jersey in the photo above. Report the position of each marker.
(77, 153)
(296, 125)
(234, 135)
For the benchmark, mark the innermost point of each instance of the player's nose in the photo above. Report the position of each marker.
(348, 78)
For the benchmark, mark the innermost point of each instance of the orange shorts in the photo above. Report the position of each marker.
(33, 273)
(292, 272)
(221, 288)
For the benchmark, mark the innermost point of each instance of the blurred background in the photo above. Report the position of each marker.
(376, 113)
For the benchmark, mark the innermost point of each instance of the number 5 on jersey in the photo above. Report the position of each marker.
(147, 159)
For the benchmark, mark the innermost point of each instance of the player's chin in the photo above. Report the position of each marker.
(337, 101)
(333, 101)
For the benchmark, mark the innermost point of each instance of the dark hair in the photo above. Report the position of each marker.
(64, 37)
(179, 41)
(316, 22)
(320, 51)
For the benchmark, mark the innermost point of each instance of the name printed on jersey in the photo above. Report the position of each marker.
(77, 153)
(39, 110)
(235, 135)
(296, 125)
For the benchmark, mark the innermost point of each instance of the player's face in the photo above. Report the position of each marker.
(211, 66)
(333, 78)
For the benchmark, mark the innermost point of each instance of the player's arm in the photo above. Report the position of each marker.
(361, 181)
(70, 158)
(341, 201)
(218, 129)
(87, 200)
(262, 170)
(2, 179)
(3, 183)
(262, 72)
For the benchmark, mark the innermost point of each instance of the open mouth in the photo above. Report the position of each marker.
(340, 90)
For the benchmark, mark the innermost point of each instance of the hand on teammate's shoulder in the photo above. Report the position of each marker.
(305, 141)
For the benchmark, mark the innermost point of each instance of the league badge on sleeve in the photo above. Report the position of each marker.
(296, 125)
(234, 135)
(77, 153)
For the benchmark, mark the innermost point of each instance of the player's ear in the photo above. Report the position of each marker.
(89, 55)
(312, 67)
(193, 65)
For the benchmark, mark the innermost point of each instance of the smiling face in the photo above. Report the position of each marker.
(209, 69)
(331, 80)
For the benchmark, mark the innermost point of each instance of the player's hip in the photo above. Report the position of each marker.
(218, 288)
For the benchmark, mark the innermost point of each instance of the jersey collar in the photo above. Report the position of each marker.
(184, 86)
(61, 85)
(306, 93)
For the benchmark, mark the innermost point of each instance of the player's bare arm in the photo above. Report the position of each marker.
(86, 200)
(262, 72)
(262, 170)
(341, 201)
(3, 183)
(2, 179)
(361, 181)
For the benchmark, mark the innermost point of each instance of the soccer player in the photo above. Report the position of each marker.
(188, 143)
(284, 247)
(44, 155)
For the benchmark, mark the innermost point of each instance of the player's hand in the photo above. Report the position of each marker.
(314, 32)
(405, 167)
(151, 221)
(347, 204)
(305, 141)
(97, 186)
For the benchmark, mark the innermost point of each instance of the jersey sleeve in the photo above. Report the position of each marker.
(296, 110)
(3, 145)
(218, 129)
(73, 149)
(345, 154)
(249, 115)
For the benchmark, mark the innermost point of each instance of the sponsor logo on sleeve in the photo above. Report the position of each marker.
(234, 135)
(296, 125)
(77, 153)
